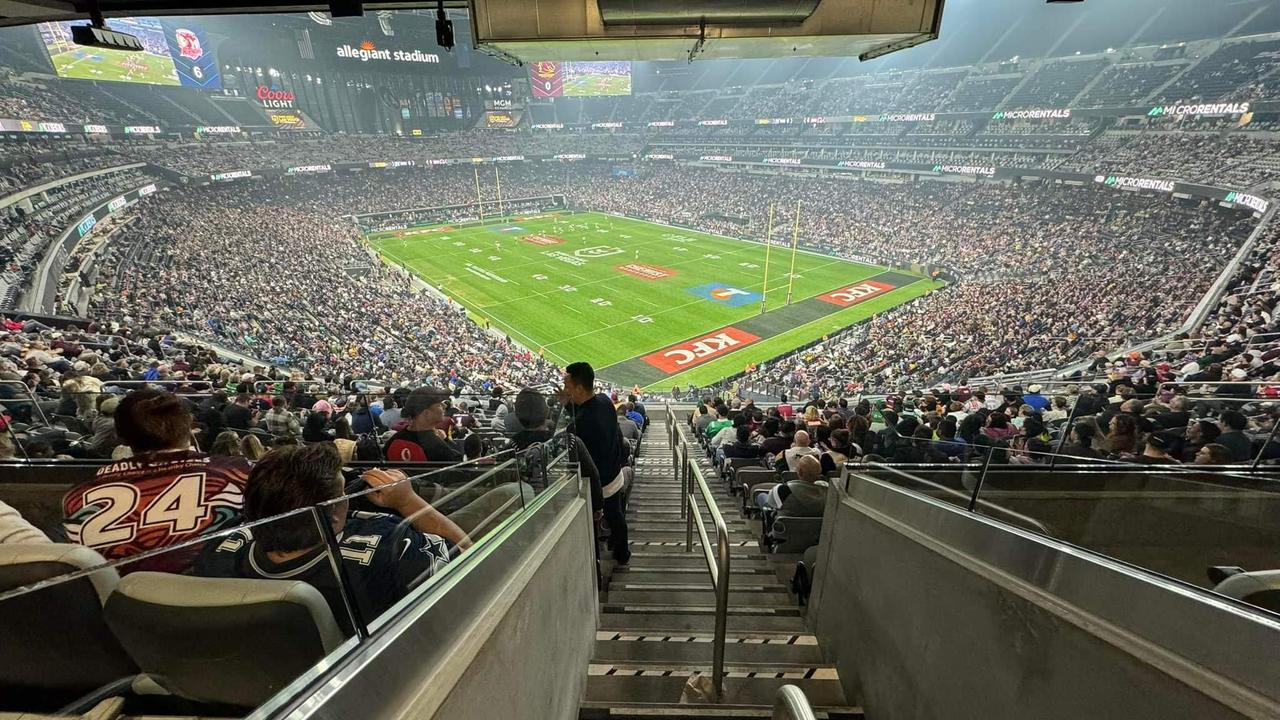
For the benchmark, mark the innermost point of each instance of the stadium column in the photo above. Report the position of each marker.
(768, 245)
(795, 241)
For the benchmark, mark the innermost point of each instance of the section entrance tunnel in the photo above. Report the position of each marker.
(923, 592)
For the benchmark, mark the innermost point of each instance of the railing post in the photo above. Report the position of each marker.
(686, 500)
(1270, 436)
(1066, 431)
(722, 611)
(986, 463)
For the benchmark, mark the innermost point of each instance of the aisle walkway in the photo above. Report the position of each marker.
(657, 615)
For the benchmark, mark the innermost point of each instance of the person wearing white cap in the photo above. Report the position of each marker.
(1038, 402)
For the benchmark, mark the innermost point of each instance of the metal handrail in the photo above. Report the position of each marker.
(791, 704)
(718, 564)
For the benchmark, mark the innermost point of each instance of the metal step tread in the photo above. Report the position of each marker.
(673, 623)
(739, 598)
(695, 652)
(663, 689)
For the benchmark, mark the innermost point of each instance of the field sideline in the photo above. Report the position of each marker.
(645, 303)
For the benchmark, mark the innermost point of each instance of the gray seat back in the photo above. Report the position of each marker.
(228, 641)
(1261, 588)
(795, 534)
(53, 641)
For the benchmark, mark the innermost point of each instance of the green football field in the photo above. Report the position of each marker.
(102, 64)
(644, 303)
(589, 85)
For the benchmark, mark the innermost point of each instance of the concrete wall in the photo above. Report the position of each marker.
(930, 612)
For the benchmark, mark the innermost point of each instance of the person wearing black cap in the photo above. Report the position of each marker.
(422, 440)
(592, 418)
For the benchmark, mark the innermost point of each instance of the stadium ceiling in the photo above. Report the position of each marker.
(606, 29)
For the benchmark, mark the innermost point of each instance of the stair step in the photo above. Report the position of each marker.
(689, 623)
(736, 535)
(697, 653)
(701, 712)
(655, 562)
(739, 598)
(740, 583)
(682, 574)
(658, 689)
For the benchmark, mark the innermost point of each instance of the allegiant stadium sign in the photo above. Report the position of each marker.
(367, 51)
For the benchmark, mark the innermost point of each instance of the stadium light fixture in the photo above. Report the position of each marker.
(444, 28)
(97, 34)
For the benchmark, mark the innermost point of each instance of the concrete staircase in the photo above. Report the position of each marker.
(657, 614)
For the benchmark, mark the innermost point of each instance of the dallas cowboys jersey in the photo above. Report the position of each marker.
(379, 573)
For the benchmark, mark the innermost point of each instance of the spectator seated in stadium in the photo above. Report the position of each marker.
(631, 432)
(800, 447)
(805, 496)
(720, 422)
(163, 495)
(382, 560)
(423, 440)
(280, 421)
(1233, 438)
(1213, 454)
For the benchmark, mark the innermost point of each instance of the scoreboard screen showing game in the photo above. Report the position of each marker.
(175, 52)
(579, 79)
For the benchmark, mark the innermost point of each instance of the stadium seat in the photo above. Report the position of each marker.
(1261, 588)
(790, 535)
(225, 641)
(56, 646)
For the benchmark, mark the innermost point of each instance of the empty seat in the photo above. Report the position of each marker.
(228, 641)
(790, 535)
(1261, 588)
(54, 644)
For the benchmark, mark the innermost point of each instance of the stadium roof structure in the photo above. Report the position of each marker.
(605, 29)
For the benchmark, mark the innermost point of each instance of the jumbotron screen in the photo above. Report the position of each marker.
(175, 52)
(580, 79)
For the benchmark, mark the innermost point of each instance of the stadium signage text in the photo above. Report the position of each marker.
(662, 123)
(819, 120)
(232, 175)
(606, 125)
(564, 258)
(218, 129)
(543, 240)
(548, 126)
(86, 225)
(1037, 114)
(116, 204)
(700, 350)
(659, 156)
(1135, 183)
(1253, 202)
(984, 170)
(781, 161)
(146, 190)
(646, 272)
(717, 158)
(308, 169)
(854, 294)
(141, 130)
(773, 121)
(862, 164)
(282, 99)
(908, 117)
(367, 52)
(713, 122)
(1200, 109)
(96, 129)
(570, 156)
